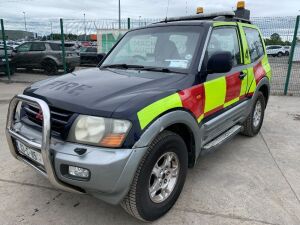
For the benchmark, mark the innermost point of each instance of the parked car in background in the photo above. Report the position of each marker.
(3, 60)
(287, 49)
(89, 56)
(45, 55)
(275, 50)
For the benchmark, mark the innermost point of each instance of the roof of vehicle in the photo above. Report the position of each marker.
(51, 42)
(227, 16)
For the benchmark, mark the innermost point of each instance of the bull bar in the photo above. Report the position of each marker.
(44, 147)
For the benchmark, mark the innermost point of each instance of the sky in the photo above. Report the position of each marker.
(96, 9)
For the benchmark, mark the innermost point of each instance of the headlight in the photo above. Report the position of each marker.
(99, 131)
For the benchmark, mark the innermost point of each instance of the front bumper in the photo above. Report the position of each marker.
(112, 170)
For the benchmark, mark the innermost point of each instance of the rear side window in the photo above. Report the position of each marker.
(55, 47)
(225, 39)
(255, 44)
(37, 47)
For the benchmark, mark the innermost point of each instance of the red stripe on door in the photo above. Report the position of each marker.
(213, 111)
(233, 86)
(193, 99)
(259, 72)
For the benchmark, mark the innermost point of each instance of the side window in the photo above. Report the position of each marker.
(38, 47)
(225, 39)
(24, 47)
(55, 47)
(255, 44)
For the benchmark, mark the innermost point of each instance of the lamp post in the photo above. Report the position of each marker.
(119, 14)
(25, 21)
(84, 26)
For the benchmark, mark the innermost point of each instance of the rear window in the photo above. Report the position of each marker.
(255, 44)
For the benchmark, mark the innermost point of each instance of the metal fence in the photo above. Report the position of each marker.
(103, 33)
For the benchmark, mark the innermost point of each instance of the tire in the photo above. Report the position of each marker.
(251, 125)
(279, 54)
(70, 69)
(50, 67)
(138, 201)
(12, 70)
(287, 53)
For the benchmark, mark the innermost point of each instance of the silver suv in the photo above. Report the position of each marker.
(45, 55)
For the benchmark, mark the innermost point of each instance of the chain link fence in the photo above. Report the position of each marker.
(278, 34)
(99, 36)
(292, 86)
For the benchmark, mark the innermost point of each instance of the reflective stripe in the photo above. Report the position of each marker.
(150, 112)
(200, 118)
(217, 24)
(215, 93)
(267, 67)
(251, 80)
(233, 86)
(259, 72)
(244, 84)
(193, 99)
(231, 102)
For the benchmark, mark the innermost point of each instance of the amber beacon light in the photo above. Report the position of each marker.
(199, 10)
(240, 5)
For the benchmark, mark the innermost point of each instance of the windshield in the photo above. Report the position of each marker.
(171, 48)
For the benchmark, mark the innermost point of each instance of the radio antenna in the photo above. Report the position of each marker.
(186, 7)
(167, 10)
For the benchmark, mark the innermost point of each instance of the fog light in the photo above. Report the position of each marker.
(79, 172)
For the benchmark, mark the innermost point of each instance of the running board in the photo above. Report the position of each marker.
(226, 136)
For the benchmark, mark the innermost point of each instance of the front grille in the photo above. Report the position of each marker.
(60, 119)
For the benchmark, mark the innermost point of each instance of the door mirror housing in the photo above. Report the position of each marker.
(220, 62)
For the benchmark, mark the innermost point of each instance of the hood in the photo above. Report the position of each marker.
(100, 92)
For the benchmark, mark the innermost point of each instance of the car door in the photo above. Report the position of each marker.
(224, 91)
(36, 53)
(255, 56)
(21, 55)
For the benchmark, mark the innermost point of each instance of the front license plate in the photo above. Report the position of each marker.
(30, 153)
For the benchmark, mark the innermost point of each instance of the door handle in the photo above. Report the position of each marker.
(242, 76)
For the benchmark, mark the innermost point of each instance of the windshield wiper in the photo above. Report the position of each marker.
(123, 66)
(158, 69)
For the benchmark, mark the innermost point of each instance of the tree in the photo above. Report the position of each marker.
(276, 37)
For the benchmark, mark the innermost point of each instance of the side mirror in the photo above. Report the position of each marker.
(220, 62)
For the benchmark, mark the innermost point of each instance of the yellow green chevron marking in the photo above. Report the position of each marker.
(150, 112)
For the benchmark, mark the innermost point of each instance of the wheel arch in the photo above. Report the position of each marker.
(264, 87)
(180, 122)
(265, 90)
(188, 137)
(50, 58)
